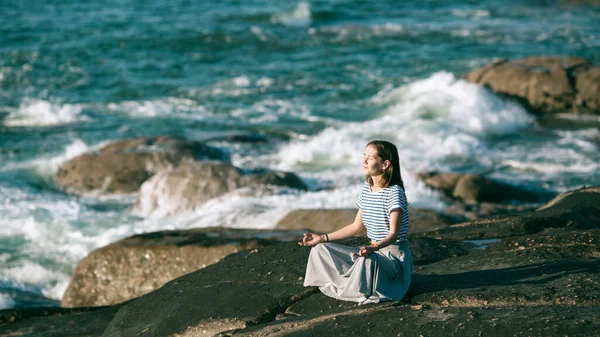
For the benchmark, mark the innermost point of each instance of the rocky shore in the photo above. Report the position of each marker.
(531, 273)
(495, 263)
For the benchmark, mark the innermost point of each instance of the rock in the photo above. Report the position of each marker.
(330, 220)
(52, 322)
(317, 220)
(402, 320)
(486, 209)
(583, 197)
(140, 264)
(122, 166)
(192, 184)
(243, 289)
(277, 178)
(582, 215)
(475, 188)
(443, 181)
(545, 84)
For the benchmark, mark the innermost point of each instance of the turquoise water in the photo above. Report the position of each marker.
(317, 79)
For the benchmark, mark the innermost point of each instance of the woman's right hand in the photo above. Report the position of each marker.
(310, 239)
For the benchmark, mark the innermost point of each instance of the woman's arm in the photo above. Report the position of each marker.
(311, 239)
(395, 216)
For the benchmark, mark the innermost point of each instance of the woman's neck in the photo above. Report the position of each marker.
(376, 186)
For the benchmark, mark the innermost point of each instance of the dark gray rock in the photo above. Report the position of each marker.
(56, 322)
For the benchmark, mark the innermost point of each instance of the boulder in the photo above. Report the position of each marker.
(545, 84)
(443, 181)
(140, 264)
(122, 166)
(475, 188)
(192, 184)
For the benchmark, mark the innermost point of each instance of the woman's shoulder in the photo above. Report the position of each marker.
(395, 189)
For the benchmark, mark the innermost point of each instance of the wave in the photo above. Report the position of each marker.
(429, 120)
(37, 112)
(165, 107)
(300, 17)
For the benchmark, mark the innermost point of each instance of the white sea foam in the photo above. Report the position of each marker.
(471, 13)
(6, 301)
(46, 166)
(166, 107)
(36, 112)
(428, 120)
(300, 17)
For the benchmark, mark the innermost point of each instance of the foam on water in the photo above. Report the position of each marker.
(166, 107)
(428, 120)
(46, 166)
(37, 112)
(300, 17)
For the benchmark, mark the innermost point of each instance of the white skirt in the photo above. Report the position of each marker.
(381, 276)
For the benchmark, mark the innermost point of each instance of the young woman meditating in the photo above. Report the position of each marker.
(382, 270)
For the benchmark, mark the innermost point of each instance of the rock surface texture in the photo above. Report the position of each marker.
(140, 264)
(122, 166)
(545, 84)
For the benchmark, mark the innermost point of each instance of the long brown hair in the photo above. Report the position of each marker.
(392, 175)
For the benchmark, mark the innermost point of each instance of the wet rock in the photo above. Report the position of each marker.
(122, 166)
(545, 84)
(140, 264)
(190, 185)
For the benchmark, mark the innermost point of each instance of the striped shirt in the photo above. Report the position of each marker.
(376, 208)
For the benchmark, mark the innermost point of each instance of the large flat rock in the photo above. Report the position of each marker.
(140, 264)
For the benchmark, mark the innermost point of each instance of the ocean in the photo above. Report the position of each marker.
(316, 80)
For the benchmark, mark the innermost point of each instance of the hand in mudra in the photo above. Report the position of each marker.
(310, 239)
(365, 251)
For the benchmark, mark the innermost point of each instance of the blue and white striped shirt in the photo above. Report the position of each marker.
(376, 208)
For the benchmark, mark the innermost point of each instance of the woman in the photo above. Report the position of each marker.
(381, 271)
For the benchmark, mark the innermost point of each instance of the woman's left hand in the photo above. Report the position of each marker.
(365, 251)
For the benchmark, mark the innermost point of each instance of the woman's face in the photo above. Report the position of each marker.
(372, 164)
